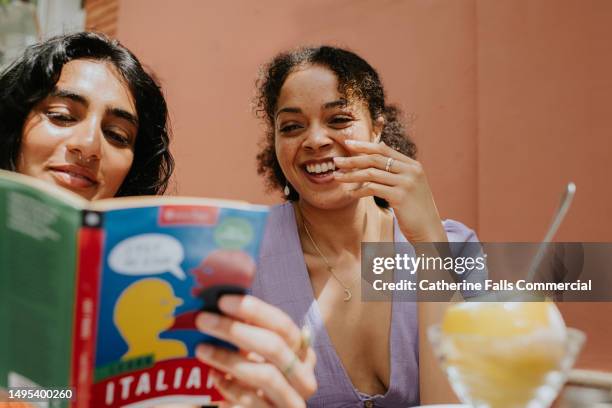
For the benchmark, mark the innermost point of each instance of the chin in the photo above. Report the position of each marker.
(333, 200)
(88, 194)
(85, 195)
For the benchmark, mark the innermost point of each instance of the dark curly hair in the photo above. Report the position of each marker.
(356, 80)
(30, 78)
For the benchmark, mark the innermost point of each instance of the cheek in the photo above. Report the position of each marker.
(357, 131)
(117, 165)
(40, 132)
(345, 134)
(38, 144)
(285, 150)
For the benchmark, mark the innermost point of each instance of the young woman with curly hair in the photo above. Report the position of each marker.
(349, 173)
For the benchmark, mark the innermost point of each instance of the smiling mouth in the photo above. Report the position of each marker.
(72, 179)
(324, 168)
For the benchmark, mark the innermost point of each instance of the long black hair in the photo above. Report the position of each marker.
(356, 79)
(33, 76)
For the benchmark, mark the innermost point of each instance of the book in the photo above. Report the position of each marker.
(100, 297)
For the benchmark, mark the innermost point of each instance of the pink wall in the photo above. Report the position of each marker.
(511, 100)
(544, 107)
(207, 55)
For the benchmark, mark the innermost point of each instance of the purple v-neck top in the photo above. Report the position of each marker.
(282, 280)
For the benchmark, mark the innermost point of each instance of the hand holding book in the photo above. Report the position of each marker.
(272, 367)
(127, 281)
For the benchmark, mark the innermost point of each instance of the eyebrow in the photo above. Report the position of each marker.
(63, 93)
(123, 114)
(289, 110)
(328, 105)
(118, 112)
(335, 104)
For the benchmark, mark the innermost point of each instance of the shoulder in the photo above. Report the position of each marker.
(280, 218)
(459, 232)
(463, 239)
(279, 231)
(281, 212)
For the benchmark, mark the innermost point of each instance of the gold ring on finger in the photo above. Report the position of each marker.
(290, 366)
(389, 164)
(305, 339)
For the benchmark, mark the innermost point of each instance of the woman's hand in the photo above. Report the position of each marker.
(389, 174)
(274, 367)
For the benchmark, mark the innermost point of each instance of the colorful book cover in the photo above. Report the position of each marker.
(102, 297)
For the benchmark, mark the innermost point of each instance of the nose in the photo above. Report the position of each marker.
(317, 138)
(85, 141)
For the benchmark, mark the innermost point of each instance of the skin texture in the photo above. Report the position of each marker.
(81, 136)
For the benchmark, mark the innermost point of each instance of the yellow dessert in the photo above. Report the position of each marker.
(502, 319)
(499, 354)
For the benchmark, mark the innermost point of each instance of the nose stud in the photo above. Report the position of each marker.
(80, 159)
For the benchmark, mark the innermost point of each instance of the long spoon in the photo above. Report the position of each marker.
(566, 202)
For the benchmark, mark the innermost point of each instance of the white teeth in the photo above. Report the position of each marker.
(78, 176)
(320, 168)
(75, 175)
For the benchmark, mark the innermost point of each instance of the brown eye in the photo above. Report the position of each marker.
(117, 138)
(61, 118)
(289, 128)
(340, 120)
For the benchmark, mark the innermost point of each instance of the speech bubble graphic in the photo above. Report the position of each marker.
(234, 233)
(148, 254)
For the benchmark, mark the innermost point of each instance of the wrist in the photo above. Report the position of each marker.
(436, 233)
(439, 234)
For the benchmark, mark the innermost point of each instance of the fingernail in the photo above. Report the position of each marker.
(229, 303)
(338, 173)
(339, 159)
(209, 320)
(204, 350)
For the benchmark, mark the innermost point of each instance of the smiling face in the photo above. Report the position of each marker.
(82, 135)
(312, 121)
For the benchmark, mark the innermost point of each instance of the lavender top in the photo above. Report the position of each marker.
(282, 280)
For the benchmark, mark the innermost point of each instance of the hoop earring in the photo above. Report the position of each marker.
(286, 190)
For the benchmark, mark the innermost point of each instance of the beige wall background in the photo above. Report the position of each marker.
(509, 101)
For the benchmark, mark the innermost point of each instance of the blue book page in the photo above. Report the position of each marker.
(161, 265)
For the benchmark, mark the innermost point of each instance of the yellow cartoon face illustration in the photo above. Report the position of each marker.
(143, 311)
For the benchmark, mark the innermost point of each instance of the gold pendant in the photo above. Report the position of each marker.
(348, 295)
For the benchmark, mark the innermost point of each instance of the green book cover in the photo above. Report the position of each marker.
(38, 252)
(101, 297)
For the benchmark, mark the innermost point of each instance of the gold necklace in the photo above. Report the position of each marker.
(347, 290)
